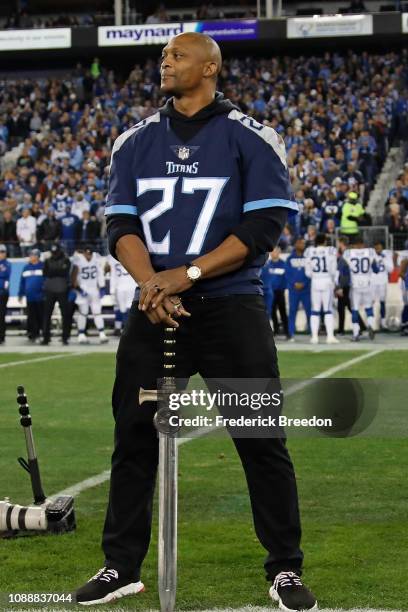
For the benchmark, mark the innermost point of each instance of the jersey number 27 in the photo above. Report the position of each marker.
(167, 186)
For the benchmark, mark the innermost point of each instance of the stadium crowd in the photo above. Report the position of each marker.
(337, 114)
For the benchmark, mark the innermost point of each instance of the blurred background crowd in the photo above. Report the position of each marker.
(338, 115)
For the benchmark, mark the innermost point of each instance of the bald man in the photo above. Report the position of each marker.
(198, 195)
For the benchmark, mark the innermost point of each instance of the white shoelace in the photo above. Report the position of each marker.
(106, 575)
(284, 579)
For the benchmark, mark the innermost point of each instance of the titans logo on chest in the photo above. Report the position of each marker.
(183, 152)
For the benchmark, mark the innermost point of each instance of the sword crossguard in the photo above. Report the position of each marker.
(148, 395)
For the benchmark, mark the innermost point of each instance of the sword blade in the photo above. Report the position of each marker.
(168, 494)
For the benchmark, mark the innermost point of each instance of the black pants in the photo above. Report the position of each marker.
(225, 337)
(35, 316)
(343, 302)
(49, 303)
(279, 304)
(3, 308)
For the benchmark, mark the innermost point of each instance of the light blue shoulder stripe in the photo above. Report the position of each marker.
(121, 209)
(270, 203)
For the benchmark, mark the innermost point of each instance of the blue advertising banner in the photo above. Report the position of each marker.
(149, 34)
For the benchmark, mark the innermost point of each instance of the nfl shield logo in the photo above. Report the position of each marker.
(183, 153)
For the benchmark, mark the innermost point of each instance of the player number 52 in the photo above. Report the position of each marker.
(167, 186)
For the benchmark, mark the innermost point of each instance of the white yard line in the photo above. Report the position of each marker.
(98, 479)
(11, 364)
(327, 373)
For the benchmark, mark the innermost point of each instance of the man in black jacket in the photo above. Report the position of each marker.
(8, 235)
(88, 230)
(56, 275)
(198, 194)
(49, 231)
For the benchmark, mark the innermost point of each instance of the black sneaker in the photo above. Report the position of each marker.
(371, 333)
(106, 586)
(291, 594)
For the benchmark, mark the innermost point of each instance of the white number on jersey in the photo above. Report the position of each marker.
(360, 263)
(321, 262)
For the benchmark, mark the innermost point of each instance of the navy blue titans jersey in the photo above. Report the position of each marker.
(190, 195)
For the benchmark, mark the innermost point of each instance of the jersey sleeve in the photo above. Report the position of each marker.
(121, 197)
(265, 175)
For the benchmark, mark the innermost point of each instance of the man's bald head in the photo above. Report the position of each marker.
(206, 45)
(190, 62)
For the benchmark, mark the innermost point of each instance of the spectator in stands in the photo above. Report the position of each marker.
(49, 231)
(80, 205)
(286, 240)
(323, 107)
(393, 217)
(330, 232)
(330, 211)
(95, 68)
(311, 215)
(8, 235)
(56, 285)
(351, 214)
(310, 236)
(32, 288)
(88, 230)
(69, 232)
(26, 229)
(5, 272)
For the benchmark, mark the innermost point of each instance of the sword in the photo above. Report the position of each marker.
(168, 476)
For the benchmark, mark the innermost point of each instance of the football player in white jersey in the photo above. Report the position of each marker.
(385, 265)
(122, 288)
(88, 279)
(321, 267)
(361, 262)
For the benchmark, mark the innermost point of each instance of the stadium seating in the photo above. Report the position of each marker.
(56, 135)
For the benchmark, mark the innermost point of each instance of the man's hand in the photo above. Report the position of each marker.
(339, 292)
(299, 286)
(164, 313)
(161, 285)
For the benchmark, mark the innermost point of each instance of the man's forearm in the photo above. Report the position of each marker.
(135, 258)
(230, 255)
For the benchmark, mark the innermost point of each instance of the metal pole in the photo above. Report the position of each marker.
(258, 9)
(269, 9)
(118, 12)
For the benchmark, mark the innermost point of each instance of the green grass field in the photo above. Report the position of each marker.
(353, 496)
